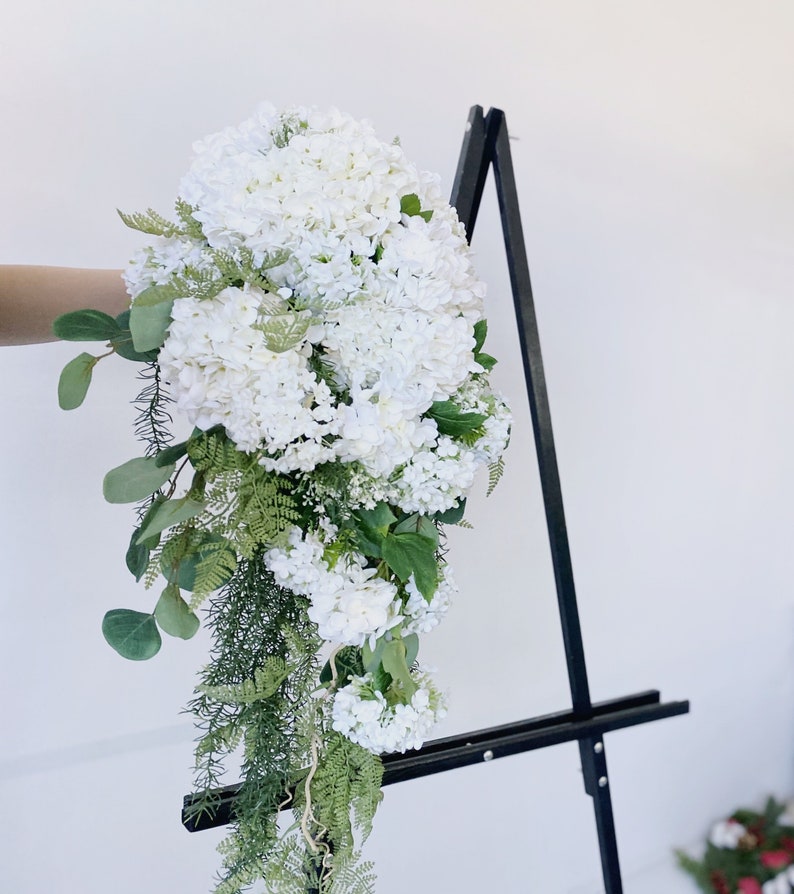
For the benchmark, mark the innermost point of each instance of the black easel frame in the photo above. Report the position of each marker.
(485, 145)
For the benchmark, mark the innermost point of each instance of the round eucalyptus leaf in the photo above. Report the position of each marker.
(173, 614)
(74, 381)
(135, 480)
(132, 634)
(85, 325)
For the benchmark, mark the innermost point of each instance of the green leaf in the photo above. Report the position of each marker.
(122, 342)
(486, 361)
(371, 526)
(372, 657)
(480, 332)
(395, 664)
(174, 615)
(408, 554)
(347, 663)
(150, 319)
(184, 573)
(451, 421)
(74, 381)
(452, 516)
(85, 325)
(170, 513)
(171, 454)
(418, 524)
(135, 480)
(132, 634)
(137, 557)
(410, 204)
(411, 641)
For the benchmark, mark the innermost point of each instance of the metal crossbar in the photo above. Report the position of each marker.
(486, 145)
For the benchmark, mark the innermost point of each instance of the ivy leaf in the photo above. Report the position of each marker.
(486, 361)
(395, 664)
(74, 381)
(150, 317)
(85, 325)
(173, 614)
(480, 332)
(410, 204)
(135, 480)
(169, 513)
(418, 524)
(132, 634)
(371, 526)
(408, 554)
(451, 421)
(452, 516)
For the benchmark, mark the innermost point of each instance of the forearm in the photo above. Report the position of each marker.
(32, 297)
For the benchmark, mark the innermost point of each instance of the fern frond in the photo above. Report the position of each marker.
(495, 472)
(151, 222)
(190, 226)
(263, 684)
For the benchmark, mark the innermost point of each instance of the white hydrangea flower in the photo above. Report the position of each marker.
(422, 616)
(348, 603)
(361, 713)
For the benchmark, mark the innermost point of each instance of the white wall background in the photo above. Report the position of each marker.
(654, 151)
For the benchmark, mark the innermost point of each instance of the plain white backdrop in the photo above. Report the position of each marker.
(654, 153)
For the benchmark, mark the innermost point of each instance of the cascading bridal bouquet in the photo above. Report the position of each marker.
(314, 314)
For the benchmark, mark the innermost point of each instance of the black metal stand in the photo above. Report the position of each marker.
(486, 145)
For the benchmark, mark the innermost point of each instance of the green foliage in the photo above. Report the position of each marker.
(284, 331)
(152, 424)
(75, 380)
(135, 480)
(169, 512)
(266, 509)
(264, 683)
(190, 226)
(495, 472)
(452, 421)
(150, 317)
(85, 325)
(413, 553)
(132, 634)
(411, 206)
(173, 614)
(151, 222)
(212, 451)
(347, 775)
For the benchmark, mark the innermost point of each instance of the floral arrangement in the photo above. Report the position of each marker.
(313, 313)
(748, 853)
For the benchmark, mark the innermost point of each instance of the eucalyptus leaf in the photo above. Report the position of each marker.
(149, 324)
(411, 641)
(372, 657)
(170, 513)
(75, 380)
(171, 454)
(122, 343)
(395, 664)
(132, 634)
(85, 325)
(137, 557)
(135, 480)
(173, 614)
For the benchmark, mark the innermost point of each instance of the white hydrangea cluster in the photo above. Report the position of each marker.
(348, 603)
(422, 616)
(393, 299)
(363, 714)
